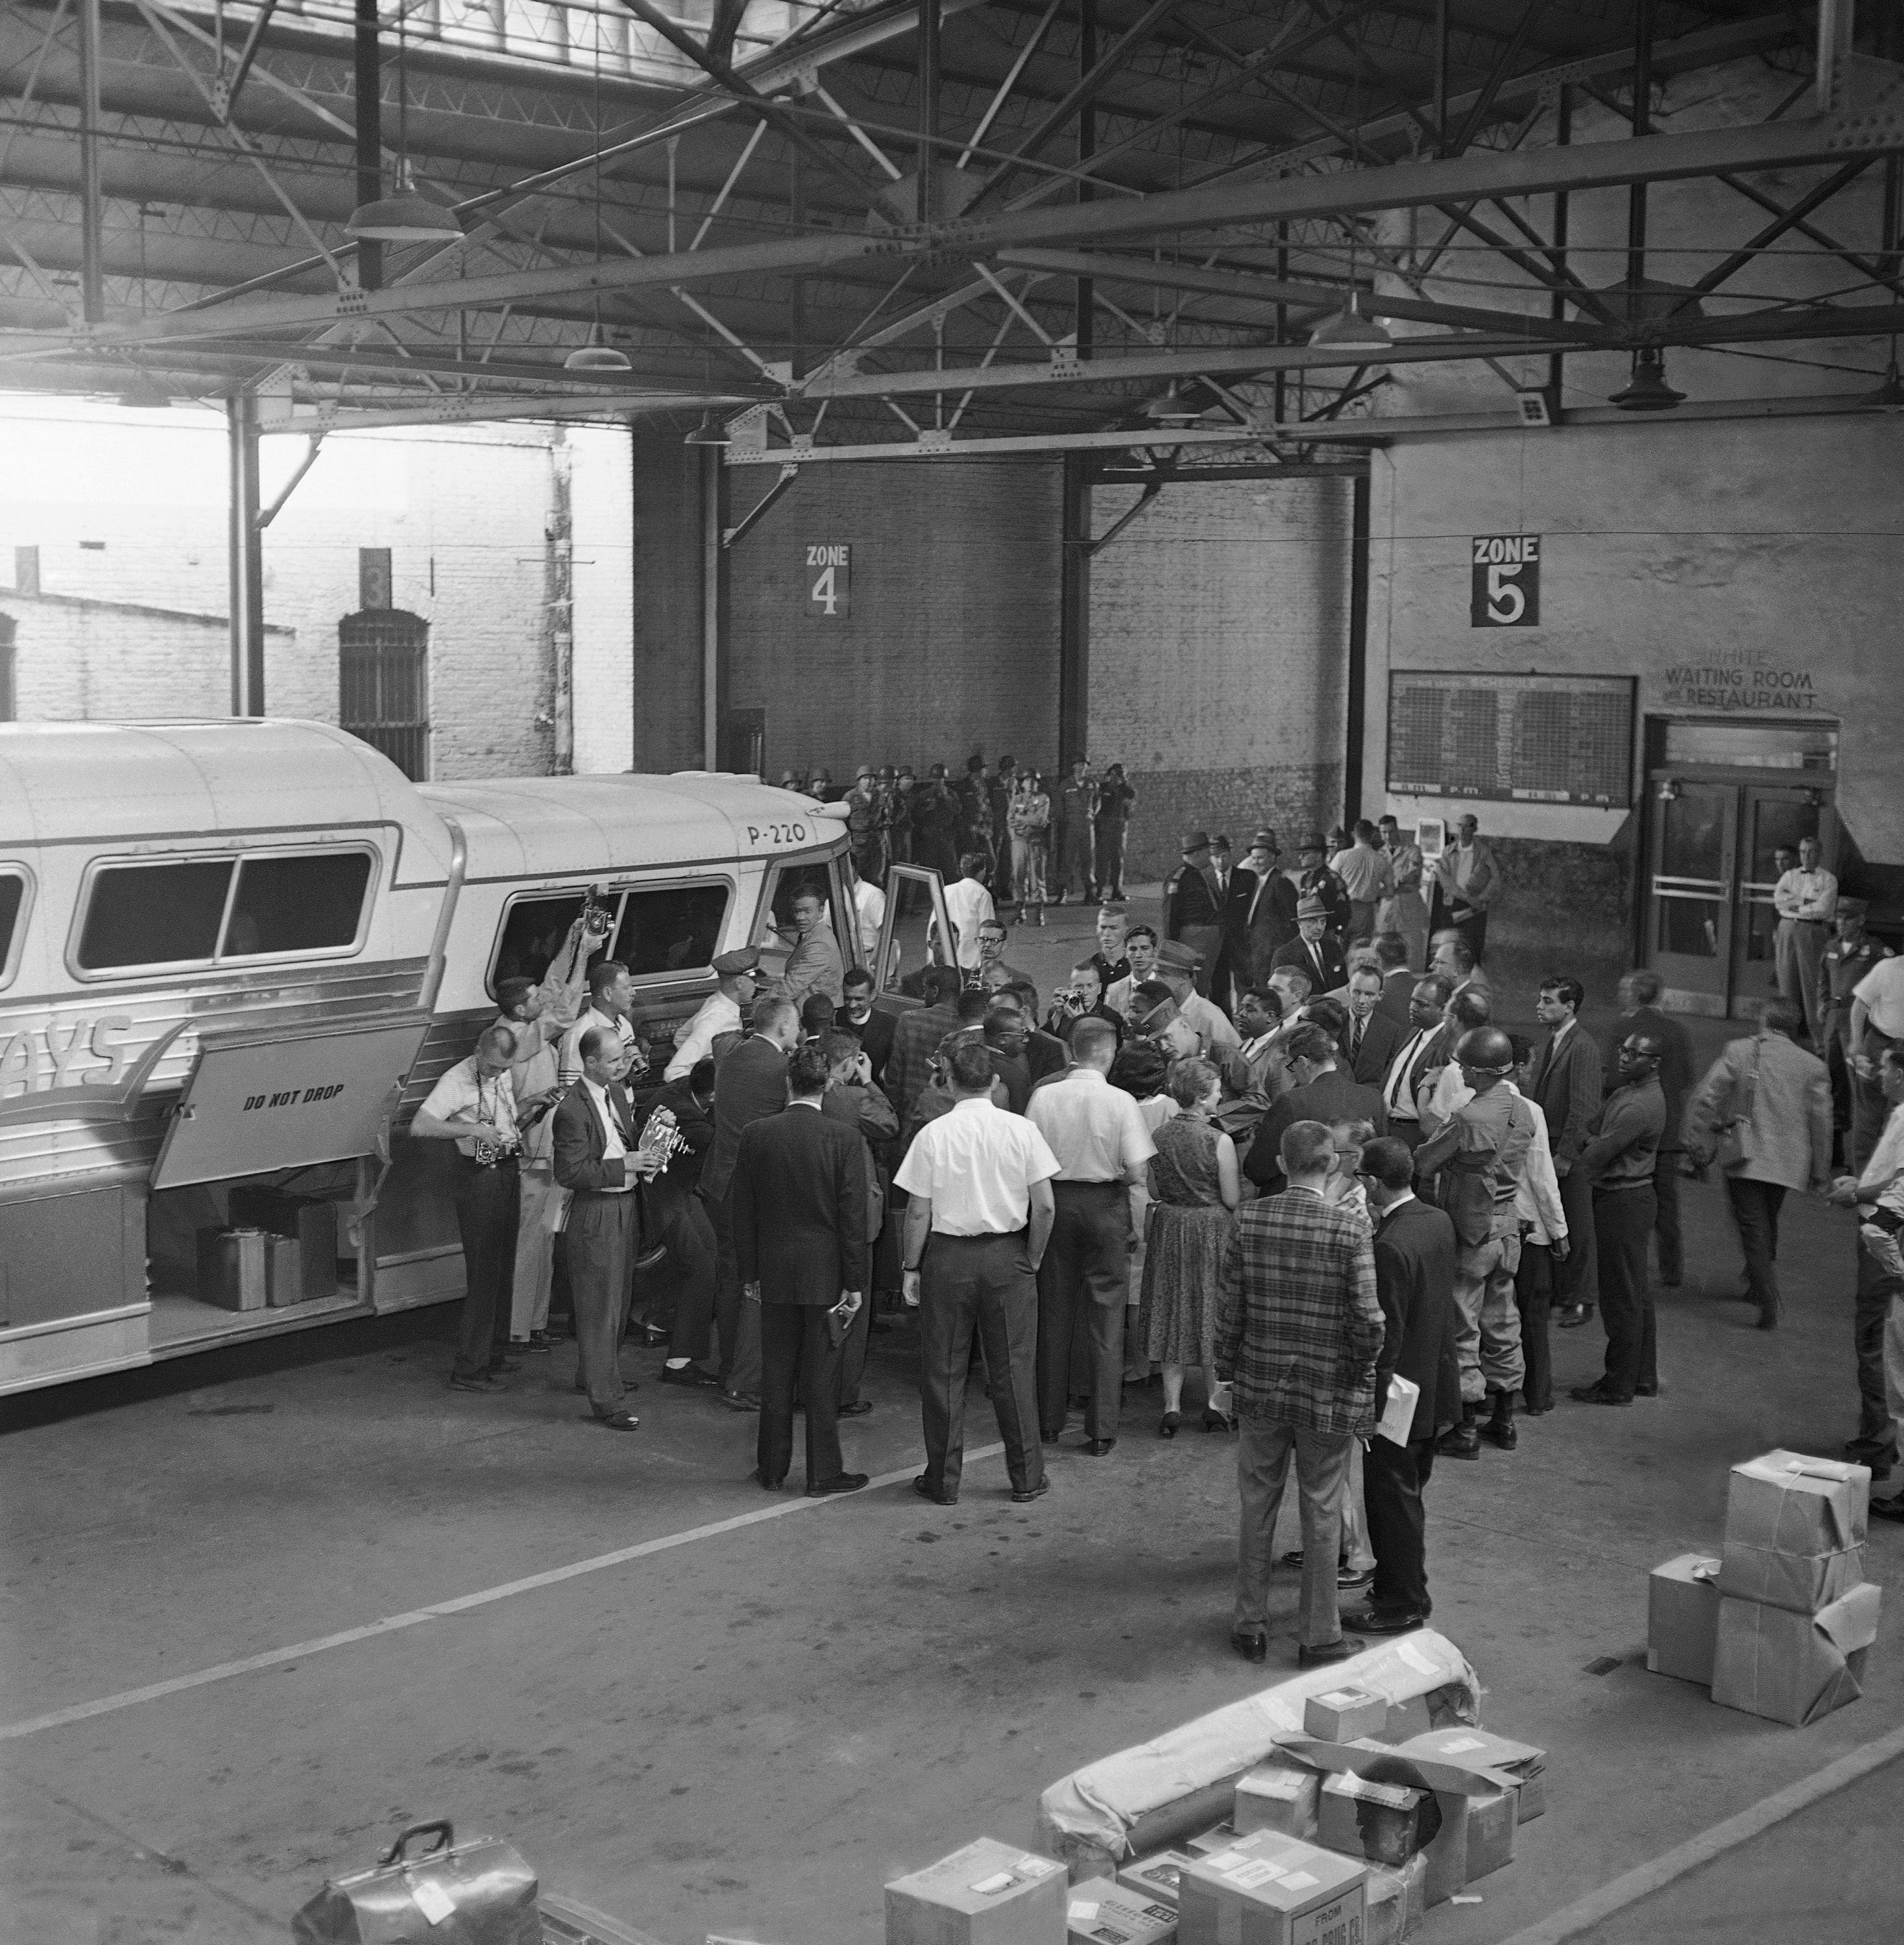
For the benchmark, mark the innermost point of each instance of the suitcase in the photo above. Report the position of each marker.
(481, 1892)
(283, 1272)
(314, 1223)
(231, 1268)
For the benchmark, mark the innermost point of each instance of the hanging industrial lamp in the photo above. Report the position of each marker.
(1348, 330)
(1889, 396)
(596, 356)
(405, 217)
(1171, 408)
(1646, 390)
(709, 432)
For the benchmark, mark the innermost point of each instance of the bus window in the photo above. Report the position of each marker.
(154, 914)
(13, 895)
(297, 904)
(670, 930)
(533, 934)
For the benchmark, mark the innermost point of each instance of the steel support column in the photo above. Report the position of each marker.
(368, 107)
(929, 110)
(1358, 649)
(92, 276)
(713, 605)
(1074, 614)
(1642, 125)
(246, 541)
(1087, 147)
(1556, 301)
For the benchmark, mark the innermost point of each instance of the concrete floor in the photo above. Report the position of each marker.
(750, 1734)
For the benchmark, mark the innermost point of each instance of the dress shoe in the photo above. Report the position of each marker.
(759, 1478)
(924, 1488)
(1536, 1410)
(1865, 1451)
(618, 1421)
(1217, 1421)
(1030, 1492)
(691, 1375)
(1352, 1580)
(1573, 1316)
(1336, 1650)
(1646, 1391)
(1098, 1447)
(740, 1401)
(1462, 1440)
(1167, 1425)
(840, 1482)
(482, 1382)
(540, 1343)
(1251, 1647)
(652, 1334)
(1052, 1437)
(1383, 1620)
(1892, 1509)
(497, 1366)
(857, 1409)
(1592, 1394)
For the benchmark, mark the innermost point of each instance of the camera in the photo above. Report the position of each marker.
(597, 920)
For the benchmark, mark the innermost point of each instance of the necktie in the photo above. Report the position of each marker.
(1398, 1077)
(1354, 1037)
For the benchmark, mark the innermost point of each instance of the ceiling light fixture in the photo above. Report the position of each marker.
(405, 217)
(1348, 330)
(1889, 396)
(596, 356)
(1646, 390)
(709, 432)
(1171, 409)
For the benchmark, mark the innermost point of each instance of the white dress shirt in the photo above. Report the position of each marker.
(1881, 990)
(463, 1094)
(571, 1067)
(977, 1166)
(695, 1042)
(1398, 1089)
(1807, 894)
(1209, 1020)
(1093, 1128)
(968, 904)
(869, 918)
(613, 1146)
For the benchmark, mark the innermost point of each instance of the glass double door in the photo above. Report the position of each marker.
(1710, 924)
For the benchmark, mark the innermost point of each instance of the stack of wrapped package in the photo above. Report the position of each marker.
(1779, 1623)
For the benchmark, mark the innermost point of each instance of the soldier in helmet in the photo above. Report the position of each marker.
(864, 826)
(934, 825)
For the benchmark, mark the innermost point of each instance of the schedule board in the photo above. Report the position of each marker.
(1534, 738)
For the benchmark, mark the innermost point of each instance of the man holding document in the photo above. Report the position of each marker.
(1417, 1385)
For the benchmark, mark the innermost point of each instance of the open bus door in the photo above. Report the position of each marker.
(915, 934)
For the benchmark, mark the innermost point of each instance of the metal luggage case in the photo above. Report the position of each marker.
(482, 1892)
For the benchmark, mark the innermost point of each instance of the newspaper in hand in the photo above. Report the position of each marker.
(1398, 1414)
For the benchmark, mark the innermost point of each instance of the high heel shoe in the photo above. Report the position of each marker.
(1167, 1425)
(1215, 1421)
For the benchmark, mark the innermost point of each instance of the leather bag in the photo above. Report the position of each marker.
(482, 1892)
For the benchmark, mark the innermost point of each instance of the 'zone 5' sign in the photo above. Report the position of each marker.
(830, 573)
(1506, 589)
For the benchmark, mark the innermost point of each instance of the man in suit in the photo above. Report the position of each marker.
(1193, 904)
(1397, 979)
(799, 1198)
(1414, 1283)
(1269, 915)
(1423, 1052)
(873, 1030)
(749, 1084)
(916, 1036)
(1567, 1086)
(1317, 952)
(1639, 1011)
(1373, 1039)
(676, 1220)
(1467, 881)
(1453, 958)
(1323, 1092)
(598, 1161)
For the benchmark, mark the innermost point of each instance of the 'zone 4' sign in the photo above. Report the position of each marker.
(1506, 589)
(830, 571)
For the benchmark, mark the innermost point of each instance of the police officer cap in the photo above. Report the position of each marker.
(1487, 1048)
(1178, 956)
(1195, 840)
(744, 961)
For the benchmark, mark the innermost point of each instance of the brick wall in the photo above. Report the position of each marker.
(1220, 628)
(951, 643)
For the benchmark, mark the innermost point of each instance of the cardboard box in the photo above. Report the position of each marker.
(1379, 1822)
(1104, 1913)
(1397, 1901)
(231, 1268)
(986, 1894)
(1220, 1838)
(1269, 1889)
(1156, 1877)
(1343, 1714)
(1526, 1765)
(1790, 1667)
(1280, 1796)
(1793, 1525)
(1803, 1582)
(1682, 1617)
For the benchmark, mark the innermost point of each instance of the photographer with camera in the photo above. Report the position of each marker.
(611, 1001)
(474, 1106)
(1082, 999)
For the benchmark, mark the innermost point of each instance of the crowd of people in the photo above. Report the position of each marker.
(1038, 840)
(1283, 1146)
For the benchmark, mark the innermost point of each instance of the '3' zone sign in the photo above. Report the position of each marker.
(1506, 589)
(830, 571)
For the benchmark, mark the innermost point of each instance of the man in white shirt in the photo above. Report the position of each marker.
(869, 916)
(1177, 965)
(1404, 911)
(968, 904)
(722, 1015)
(611, 1000)
(1806, 901)
(1418, 1057)
(979, 1215)
(1102, 1146)
(1544, 1242)
(474, 1105)
(1877, 1022)
(1365, 870)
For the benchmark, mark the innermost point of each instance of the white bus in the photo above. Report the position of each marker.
(235, 955)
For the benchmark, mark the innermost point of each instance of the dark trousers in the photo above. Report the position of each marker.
(1086, 1267)
(1207, 941)
(1473, 928)
(686, 1232)
(604, 1232)
(1111, 860)
(1622, 1220)
(489, 1204)
(797, 1353)
(1533, 1290)
(982, 1286)
(852, 1352)
(1575, 1280)
(1875, 1291)
(1665, 1189)
(738, 1322)
(1755, 1209)
(1392, 1479)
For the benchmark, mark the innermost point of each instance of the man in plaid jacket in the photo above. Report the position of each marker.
(1298, 1328)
